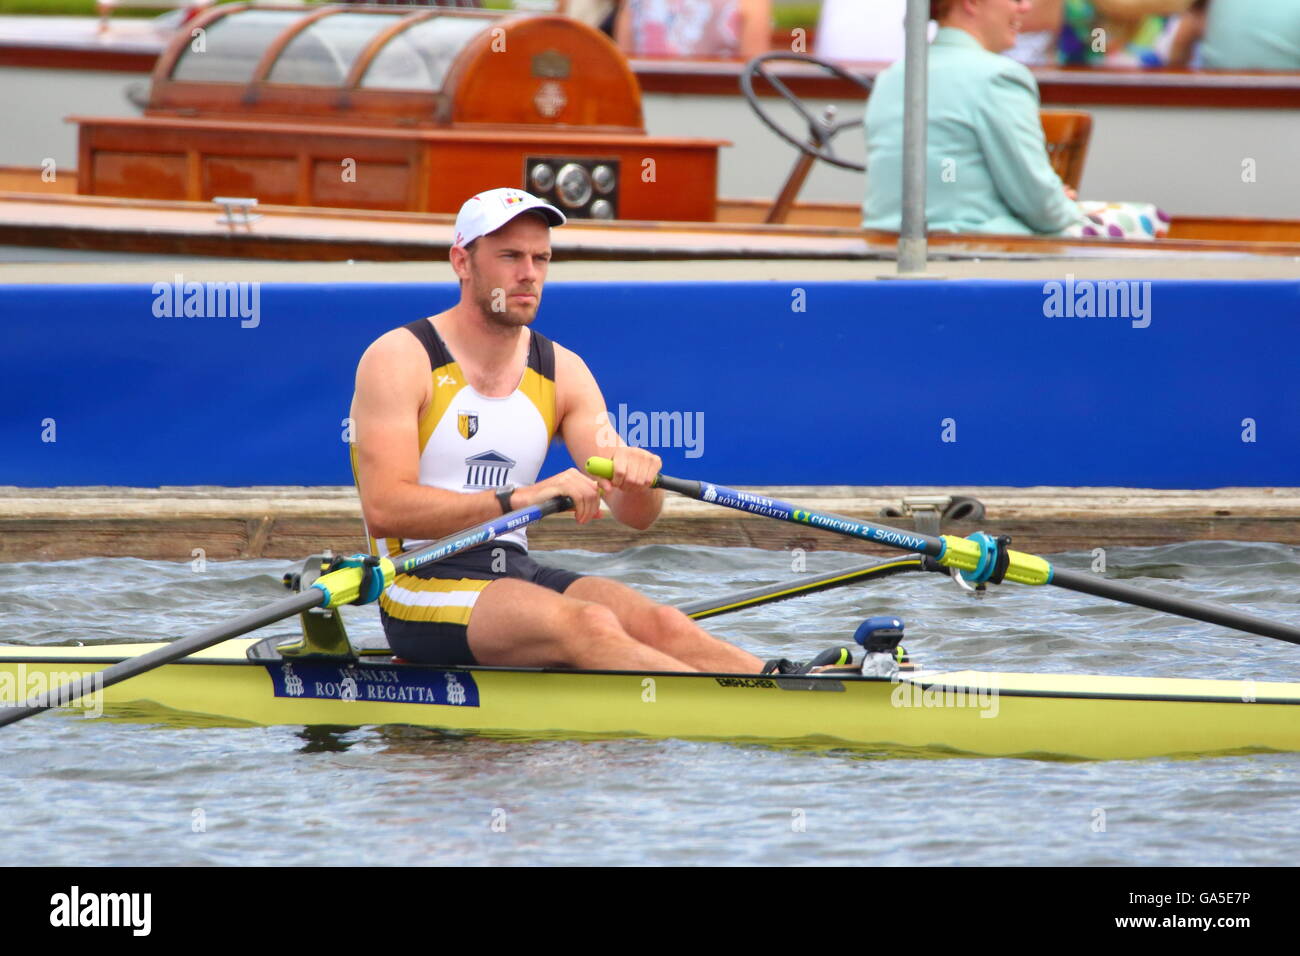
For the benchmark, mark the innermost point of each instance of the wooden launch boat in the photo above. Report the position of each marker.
(359, 130)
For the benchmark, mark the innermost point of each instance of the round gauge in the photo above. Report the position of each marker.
(574, 185)
(604, 178)
(542, 178)
(601, 209)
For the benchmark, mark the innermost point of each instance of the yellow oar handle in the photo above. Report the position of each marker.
(604, 468)
(965, 555)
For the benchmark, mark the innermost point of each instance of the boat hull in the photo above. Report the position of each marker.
(966, 712)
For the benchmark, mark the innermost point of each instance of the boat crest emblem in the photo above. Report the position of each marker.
(552, 64)
(550, 99)
(710, 493)
(292, 682)
(455, 690)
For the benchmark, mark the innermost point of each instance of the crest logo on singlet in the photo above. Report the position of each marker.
(467, 424)
(489, 469)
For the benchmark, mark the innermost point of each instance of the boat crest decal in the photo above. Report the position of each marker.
(366, 683)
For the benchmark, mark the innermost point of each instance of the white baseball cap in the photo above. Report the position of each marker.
(490, 210)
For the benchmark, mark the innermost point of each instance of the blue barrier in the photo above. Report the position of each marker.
(827, 383)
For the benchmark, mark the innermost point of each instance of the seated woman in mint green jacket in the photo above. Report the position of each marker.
(986, 161)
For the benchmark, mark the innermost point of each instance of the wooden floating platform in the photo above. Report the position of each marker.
(275, 522)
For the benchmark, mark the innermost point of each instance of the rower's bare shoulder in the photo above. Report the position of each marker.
(395, 363)
(570, 369)
(395, 352)
(575, 386)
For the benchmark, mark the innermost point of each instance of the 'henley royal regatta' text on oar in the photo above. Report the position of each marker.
(980, 558)
(360, 580)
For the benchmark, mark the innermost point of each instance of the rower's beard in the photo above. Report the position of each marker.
(489, 303)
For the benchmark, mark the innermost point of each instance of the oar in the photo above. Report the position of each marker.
(754, 597)
(360, 581)
(979, 558)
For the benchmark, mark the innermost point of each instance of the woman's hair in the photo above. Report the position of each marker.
(939, 9)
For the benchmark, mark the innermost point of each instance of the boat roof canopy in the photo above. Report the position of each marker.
(404, 66)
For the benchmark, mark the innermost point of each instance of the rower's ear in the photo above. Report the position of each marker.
(460, 264)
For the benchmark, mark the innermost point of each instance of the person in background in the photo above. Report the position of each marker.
(871, 31)
(719, 29)
(596, 13)
(1118, 32)
(1040, 28)
(1252, 35)
(859, 31)
(987, 168)
(1184, 45)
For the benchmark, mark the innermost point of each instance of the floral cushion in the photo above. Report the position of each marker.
(1119, 220)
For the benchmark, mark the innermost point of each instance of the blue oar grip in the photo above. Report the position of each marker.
(989, 547)
(371, 583)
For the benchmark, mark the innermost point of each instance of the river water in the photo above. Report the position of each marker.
(77, 791)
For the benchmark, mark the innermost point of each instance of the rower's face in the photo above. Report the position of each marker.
(999, 22)
(507, 269)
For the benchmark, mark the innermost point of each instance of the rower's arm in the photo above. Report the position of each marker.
(585, 427)
(393, 382)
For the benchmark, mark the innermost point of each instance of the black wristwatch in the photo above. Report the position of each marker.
(503, 497)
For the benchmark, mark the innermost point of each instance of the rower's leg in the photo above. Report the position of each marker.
(664, 628)
(519, 624)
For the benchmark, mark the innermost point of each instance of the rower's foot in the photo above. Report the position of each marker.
(831, 657)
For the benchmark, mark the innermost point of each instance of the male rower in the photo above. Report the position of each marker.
(453, 415)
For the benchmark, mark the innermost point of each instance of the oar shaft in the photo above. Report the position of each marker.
(1086, 583)
(784, 511)
(408, 561)
(967, 555)
(94, 682)
(755, 597)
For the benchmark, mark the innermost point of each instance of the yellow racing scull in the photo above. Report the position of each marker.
(247, 681)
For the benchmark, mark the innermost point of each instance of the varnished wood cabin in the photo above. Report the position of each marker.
(377, 108)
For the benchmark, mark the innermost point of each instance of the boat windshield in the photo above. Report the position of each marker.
(323, 54)
(229, 49)
(418, 58)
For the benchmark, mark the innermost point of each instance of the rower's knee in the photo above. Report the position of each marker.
(669, 620)
(589, 623)
(594, 618)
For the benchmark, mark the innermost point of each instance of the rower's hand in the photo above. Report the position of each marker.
(635, 469)
(581, 488)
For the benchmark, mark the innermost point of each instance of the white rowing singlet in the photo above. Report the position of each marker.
(469, 442)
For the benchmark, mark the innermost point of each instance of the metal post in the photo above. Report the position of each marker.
(911, 237)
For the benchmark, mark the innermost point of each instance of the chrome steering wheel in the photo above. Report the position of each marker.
(820, 130)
